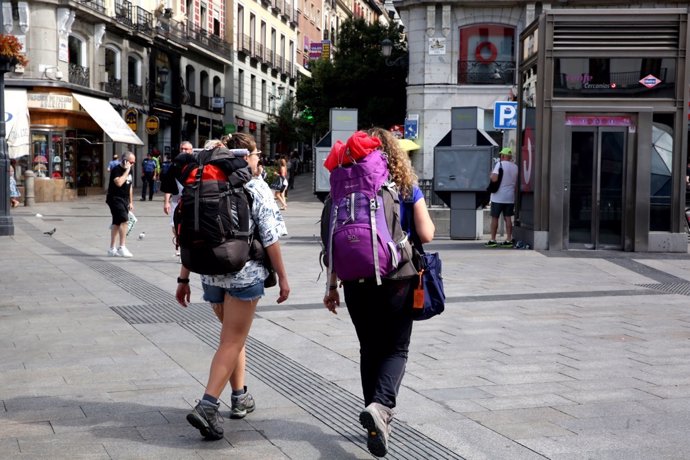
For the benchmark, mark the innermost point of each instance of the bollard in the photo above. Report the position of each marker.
(29, 198)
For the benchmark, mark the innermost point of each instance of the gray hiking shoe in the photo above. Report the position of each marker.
(242, 405)
(376, 420)
(206, 418)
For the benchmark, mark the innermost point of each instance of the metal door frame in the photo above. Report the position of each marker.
(596, 188)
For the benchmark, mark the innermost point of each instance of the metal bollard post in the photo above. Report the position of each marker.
(29, 197)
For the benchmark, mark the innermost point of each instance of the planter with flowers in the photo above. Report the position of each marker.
(11, 53)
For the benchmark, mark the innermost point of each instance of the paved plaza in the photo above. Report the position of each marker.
(565, 355)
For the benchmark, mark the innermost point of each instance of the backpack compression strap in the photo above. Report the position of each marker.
(329, 268)
(197, 188)
(373, 204)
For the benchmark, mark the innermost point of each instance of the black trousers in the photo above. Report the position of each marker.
(382, 316)
(147, 179)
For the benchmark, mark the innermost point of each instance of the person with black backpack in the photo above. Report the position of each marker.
(235, 292)
(381, 305)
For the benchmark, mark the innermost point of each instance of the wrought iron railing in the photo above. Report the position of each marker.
(95, 5)
(144, 20)
(204, 102)
(79, 75)
(192, 98)
(123, 12)
(113, 86)
(490, 73)
(135, 93)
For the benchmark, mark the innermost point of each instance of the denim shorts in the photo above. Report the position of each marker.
(216, 294)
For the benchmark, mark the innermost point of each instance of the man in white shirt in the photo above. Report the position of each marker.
(503, 200)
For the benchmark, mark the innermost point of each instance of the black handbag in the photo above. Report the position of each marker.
(494, 186)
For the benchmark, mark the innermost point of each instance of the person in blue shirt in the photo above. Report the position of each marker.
(114, 162)
(148, 176)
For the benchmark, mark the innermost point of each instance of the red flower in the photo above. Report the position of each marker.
(11, 48)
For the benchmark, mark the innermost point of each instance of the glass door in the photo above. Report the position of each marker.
(596, 188)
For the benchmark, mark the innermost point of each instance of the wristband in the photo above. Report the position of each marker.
(182, 280)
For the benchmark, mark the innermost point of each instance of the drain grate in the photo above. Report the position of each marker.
(682, 288)
(330, 404)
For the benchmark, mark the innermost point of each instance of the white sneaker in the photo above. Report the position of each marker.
(122, 251)
(112, 252)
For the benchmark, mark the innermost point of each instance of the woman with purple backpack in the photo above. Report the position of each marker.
(384, 350)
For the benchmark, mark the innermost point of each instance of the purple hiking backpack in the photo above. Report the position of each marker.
(360, 224)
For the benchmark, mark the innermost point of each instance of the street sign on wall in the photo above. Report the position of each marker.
(505, 115)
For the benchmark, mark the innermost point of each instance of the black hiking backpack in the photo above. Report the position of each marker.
(212, 218)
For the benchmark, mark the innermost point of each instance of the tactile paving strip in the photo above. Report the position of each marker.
(332, 405)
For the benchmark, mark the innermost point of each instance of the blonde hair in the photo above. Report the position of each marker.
(399, 164)
(212, 144)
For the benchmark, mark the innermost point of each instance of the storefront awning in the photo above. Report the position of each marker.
(17, 123)
(108, 119)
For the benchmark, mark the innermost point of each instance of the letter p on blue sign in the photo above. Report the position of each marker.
(505, 115)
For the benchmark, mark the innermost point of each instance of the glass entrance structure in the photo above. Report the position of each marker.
(602, 130)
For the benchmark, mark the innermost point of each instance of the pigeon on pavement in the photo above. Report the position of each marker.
(50, 233)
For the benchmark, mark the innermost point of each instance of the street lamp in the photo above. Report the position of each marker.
(279, 96)
(387, 50)
(6, 222)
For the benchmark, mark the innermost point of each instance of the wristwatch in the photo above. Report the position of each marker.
(182, 280)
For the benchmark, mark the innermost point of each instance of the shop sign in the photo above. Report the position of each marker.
(596, 120)
(240, 122)
(229, 129)
(131, 118)
(252, 126)
(50, 101)
(152, 124)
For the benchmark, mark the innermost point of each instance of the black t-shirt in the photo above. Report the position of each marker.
(114, 190)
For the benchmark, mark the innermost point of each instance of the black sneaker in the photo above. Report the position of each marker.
(490, 244)
(508, 244)
(206, 418)
(376, 420)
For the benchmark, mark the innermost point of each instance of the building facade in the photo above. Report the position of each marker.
(108, 76)
(467, 54)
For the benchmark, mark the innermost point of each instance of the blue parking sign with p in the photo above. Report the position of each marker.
(505, 115)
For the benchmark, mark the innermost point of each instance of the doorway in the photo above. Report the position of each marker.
(596, 195)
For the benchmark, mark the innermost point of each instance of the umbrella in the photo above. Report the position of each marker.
(40, 159)
(408, 145)
(662, 156)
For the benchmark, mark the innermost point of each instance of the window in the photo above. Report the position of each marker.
(487, 55)
(252, 94)
(77, 51)
(112, 64)
(133, 71)
(661, 181)
(240, 24)
(240, 86)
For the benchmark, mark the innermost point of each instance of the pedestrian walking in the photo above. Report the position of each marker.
(171, 185)
(503, 200)
(382, 314)
(120, 200)
(114, 162)
(237, 294)
(148, 176)
(280, 183)
(14, 191)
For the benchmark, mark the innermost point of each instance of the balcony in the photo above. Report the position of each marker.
(114, 87)
(79, 75)
(205, 102)
(144, 20)
(192, 98)
(493, 73)
(123, 12)
(135, 93)
(95, 5)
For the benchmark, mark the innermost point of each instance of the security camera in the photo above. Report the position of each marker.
(59, 75)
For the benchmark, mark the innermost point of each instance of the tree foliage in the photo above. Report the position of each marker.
(357, 77)
(287, 128)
